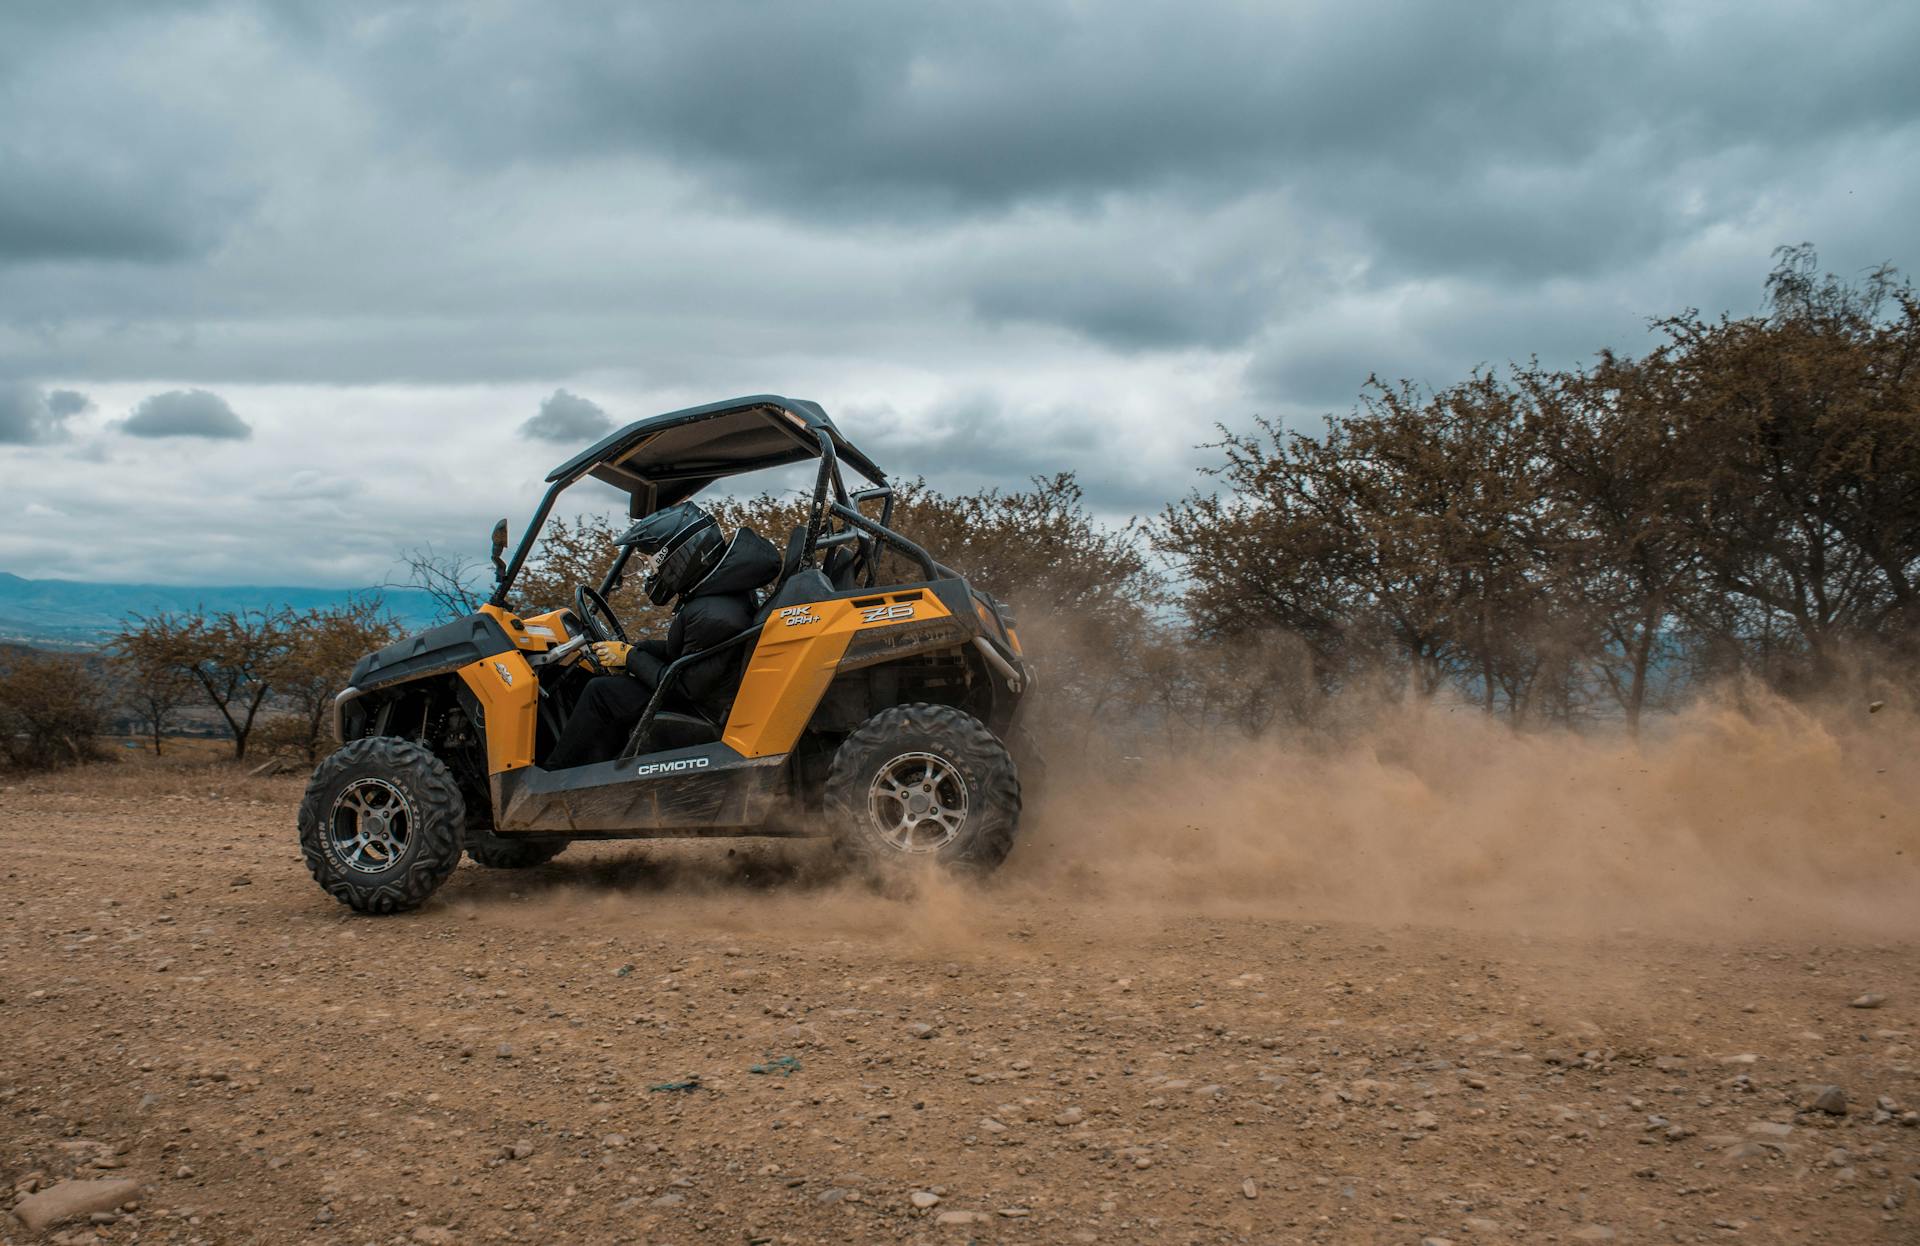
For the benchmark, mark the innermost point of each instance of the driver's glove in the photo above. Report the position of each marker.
(611, 655)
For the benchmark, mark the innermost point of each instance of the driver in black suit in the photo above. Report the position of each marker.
(711, 582)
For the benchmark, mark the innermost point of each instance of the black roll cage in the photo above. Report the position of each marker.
(830, 501)
(814, 441)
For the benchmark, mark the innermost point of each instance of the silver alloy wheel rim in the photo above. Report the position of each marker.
(918, 802)
(371, 826)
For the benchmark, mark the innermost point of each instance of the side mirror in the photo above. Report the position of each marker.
(499, 549)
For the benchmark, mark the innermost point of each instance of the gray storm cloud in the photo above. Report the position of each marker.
(1018, 236)
(566, 417)
(31, 416)
(186, 413)
(62, 403)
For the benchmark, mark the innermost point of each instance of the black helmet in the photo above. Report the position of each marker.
(684, 542)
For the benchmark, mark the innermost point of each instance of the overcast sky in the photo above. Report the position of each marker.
(285, 288)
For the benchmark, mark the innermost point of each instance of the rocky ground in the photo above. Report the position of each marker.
(697, 1043)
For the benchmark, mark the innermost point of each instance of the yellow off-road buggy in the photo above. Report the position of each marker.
(879, 713)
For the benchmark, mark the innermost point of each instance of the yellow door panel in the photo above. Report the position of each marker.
(509, 695)
(795, 659)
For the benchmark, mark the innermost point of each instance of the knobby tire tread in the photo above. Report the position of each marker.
(437, 840)
(963, 738)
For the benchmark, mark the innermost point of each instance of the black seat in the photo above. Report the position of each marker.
(807, 584)
(842, 566)
(796, 584)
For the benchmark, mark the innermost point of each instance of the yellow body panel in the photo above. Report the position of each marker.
(534, 633)
(795, 660)
(509, 695)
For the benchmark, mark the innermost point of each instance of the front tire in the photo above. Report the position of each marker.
(924, 782)
(380, 825)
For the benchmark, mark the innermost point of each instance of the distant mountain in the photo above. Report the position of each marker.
(77, 614)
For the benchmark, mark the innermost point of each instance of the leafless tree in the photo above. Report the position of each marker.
(152, 661)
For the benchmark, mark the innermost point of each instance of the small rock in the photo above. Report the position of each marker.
(1015, 1213)
(1830, 1099)
(671, 1199)
(1869, 1000)
(70, 1200)
(1425, 1120)
(1249, 1189)
(1072, 1116)
(519, 1150)
(1436, 1241)
(830, 1197)
(504, 1051)
(958, 1217)
(241, 881)
(923, 1199)
(992, 1126)
(434, 1235)
(614, 1142)
(1770, 1129)
(920, 1029)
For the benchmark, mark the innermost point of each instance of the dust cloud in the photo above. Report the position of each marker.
(1762, 817)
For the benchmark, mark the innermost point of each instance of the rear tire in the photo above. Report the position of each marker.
(924, 782)
(510, 852)
(380, 825)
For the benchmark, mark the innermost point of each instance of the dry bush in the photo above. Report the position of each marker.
(321, 649)
(53, 710)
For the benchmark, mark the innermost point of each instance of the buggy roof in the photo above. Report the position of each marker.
(671, 457)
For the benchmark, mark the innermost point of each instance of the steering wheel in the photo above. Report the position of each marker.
(597, 619)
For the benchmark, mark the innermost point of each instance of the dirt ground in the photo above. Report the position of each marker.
(725, 1042)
